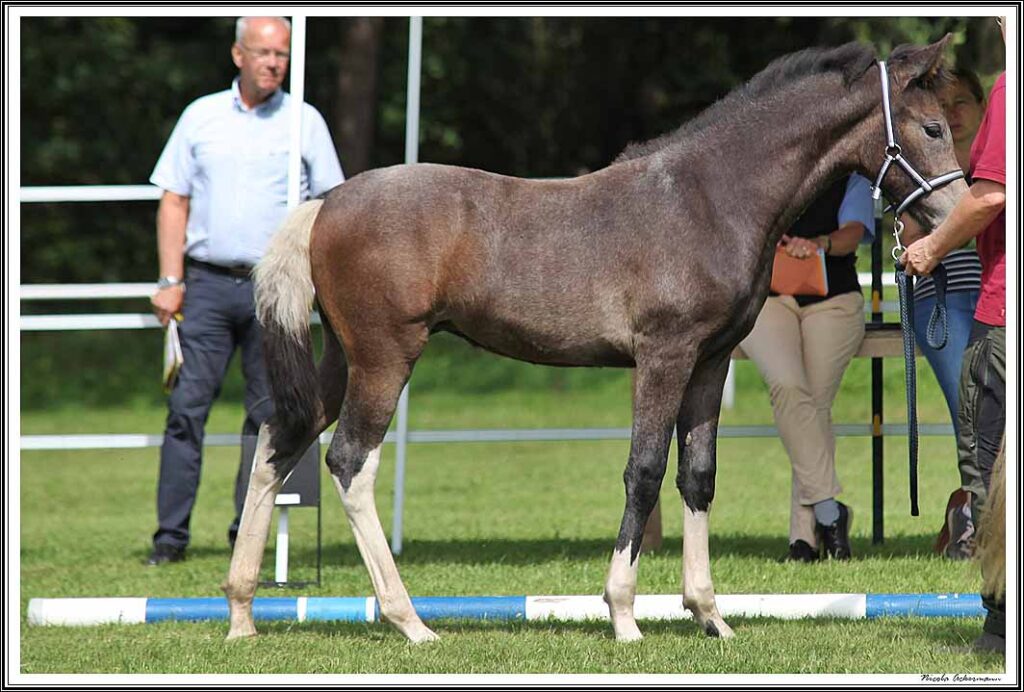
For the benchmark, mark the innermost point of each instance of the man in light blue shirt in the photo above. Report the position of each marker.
(224, 172)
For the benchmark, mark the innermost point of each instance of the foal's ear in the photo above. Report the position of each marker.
(925, 66)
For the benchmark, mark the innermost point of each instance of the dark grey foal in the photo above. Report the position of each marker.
(659, 262)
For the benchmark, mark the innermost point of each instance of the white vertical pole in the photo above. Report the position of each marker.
(281, 564)
(297, 92)
(298, 67)
(412, 148)
(729, 392)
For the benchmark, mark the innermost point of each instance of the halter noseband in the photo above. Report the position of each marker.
(893, 153)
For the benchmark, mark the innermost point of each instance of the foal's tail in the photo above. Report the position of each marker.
(284, 296)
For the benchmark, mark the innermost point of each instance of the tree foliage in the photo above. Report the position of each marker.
(540, 96)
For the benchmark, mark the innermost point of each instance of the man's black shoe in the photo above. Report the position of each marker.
(163, 553)
(834, 540)
(801, 551)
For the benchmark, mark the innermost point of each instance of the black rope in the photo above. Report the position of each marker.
(906, 289)
(937, 332)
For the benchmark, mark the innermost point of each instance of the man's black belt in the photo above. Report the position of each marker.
(240, 271)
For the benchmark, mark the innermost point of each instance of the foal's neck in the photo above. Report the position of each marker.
(785, 148)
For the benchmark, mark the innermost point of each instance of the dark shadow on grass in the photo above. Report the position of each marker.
(541, 550)
(600, 629)
(538, 551)
(957, 636)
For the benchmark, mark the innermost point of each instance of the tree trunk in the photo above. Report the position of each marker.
(984, 51)
(356, 104)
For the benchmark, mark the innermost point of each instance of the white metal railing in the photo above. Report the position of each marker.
(136, 441)
(86, 291)
(91, 193)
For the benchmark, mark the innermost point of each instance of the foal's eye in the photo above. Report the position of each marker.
(933, 130)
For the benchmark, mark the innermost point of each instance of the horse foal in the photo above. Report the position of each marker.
(659, 262)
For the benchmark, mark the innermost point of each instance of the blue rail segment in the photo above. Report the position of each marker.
(160, 609)
(350, 609)
(471, 608)
(923, 605)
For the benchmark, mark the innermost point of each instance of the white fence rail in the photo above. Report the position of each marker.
(91, 193)
(135, 441)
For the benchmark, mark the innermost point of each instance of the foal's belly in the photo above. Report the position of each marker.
(565, 347)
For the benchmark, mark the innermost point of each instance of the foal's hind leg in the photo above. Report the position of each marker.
(697, 432)
(658, 390)
(270, 468)
(353, 458)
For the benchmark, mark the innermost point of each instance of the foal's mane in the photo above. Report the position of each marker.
(850, 60)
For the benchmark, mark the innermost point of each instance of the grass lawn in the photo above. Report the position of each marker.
(492, 519)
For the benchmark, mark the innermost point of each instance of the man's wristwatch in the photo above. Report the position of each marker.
(168, 281)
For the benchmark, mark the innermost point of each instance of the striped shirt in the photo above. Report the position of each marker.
(963, 273)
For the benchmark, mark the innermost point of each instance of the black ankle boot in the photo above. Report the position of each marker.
(834, 540)
(800, 551)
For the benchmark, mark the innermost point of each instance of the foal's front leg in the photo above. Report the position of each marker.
(698, 432)
(657, 392)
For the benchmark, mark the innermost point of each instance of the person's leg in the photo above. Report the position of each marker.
(832, 331)
(956, 534)
(982, 410)
(983, 406)
(991, 429)
(207, 344)
(991, 417)
(259, 406)
(775, 346)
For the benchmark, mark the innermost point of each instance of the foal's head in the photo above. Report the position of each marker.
(917, 76)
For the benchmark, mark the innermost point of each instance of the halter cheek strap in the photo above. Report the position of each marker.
(894, 154)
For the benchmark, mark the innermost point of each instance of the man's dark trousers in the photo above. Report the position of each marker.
(980, 432)
(219, 316)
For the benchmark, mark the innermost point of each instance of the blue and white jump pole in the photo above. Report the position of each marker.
(98, 611)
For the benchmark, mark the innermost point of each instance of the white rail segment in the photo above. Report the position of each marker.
(670, 607)
(87, 611)
(68, 323)
(86, 291)
(89, 322)
(128, 441)
(91, 193)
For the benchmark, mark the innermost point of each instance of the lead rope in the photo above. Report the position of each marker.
(937, 332)
(906, 290)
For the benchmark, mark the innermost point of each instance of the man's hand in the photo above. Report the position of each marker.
(167, 303)
(920, 257)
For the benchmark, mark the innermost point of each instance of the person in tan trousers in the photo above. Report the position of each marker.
(802, 346)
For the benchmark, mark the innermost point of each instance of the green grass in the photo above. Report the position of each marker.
(492, 519)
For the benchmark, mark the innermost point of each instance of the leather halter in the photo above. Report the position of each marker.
(894, 154)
